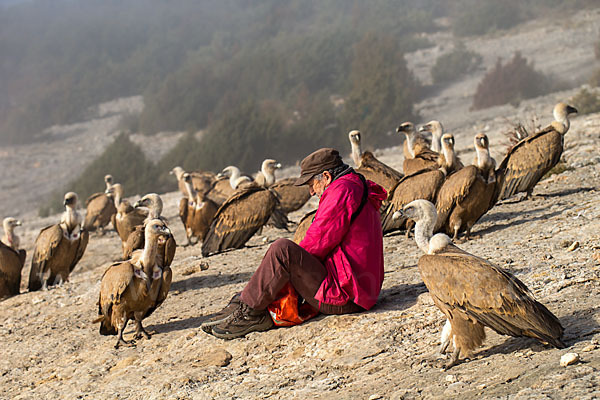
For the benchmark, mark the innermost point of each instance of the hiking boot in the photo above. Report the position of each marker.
(222, 315)
(244, 320)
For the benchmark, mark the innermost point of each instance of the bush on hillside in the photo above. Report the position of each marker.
(122, 159)
(450, 66)
(477, 17)
(586, 101)
(510, 83)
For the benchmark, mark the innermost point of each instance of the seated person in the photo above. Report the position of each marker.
(338, 266)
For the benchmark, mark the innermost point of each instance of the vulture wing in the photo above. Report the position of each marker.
(114, 283)
(220, 191)
(165, 285)
(454, 190)
(169, 252)
(374, 170)
(45, 247)
(291, 197)
(420, 185)
(488, 294)
(303, 226)
(83, 242)
(527, 162)
(135, 241)
(238, 219)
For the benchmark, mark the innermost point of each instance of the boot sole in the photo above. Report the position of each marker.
(208, 325)
(265, 326)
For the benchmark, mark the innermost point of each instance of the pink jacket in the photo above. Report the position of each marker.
(352, 253)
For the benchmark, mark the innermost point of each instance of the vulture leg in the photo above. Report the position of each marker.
(140, 331)
(454, 359)
(446, 336)
(409, 225)
(120, 339)
(456, 230)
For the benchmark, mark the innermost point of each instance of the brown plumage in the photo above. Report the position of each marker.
(12, 259)
(221, 190)
(303, 226)
(531, 158)
(127, 217)
(473, 293)
(466, 195)
(100, 208)
(420, 156)
(135, 241)
(238, 219)
(58, 248)
(370, 167)
(133, 289)
(196, 213)
(202, 181)
(420, 185)
(291, 197)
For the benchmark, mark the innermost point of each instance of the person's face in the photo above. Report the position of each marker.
(317, 187)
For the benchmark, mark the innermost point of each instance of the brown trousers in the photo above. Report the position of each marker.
(284, 262)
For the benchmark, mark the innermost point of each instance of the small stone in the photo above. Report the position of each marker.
(573, 246)
(568, 359)
(450, 378)
(375, 397)
(589, 347)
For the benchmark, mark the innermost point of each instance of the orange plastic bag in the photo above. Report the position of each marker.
(285, 310)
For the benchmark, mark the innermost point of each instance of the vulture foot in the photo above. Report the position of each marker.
(121, 341)
(141, 332)
(454, 360)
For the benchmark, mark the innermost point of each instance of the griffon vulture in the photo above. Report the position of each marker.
(370, 167)
(135, 241)
(466, 195)
(127, 217)
(303, 226)
(473, 293)
(100, 208)
(202, 181)
(134, 288)
(529, 160)
(420, 156)
(266, 176)
(196, 213)
(437, 131)
(58, 248)
(12, 260)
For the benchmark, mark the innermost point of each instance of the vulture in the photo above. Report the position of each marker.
(196, 212)
(100, 208)
(291, 197)
(417, 156)
(473, 293)
(12, 260)
(239, 218)
(448, 161)
(266, 176)
(135, 240)
(201, 180)
(466, 195)
(58, 248)
(134, 288)
(437, 131)
(127, 217)
(532, 157)
(303, 226)
(220, 190)
(370, 167)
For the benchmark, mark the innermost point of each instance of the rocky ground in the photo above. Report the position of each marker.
(50, 348)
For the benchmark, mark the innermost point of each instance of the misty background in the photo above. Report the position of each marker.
(245, 80)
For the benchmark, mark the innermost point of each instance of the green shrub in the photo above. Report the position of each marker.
(450, 66)
(586, 101)
(477, 17)
(510, 83)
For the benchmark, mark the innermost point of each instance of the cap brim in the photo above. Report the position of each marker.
(303, 179)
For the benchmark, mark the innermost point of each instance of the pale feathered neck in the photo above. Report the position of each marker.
(436, 137)
(234, 175)
(268, 174)
(70, 219)
(410, 139)
(484, 161)
(427, 242)
(10, 238)
(148, 258)
(191, 192)
(356, 152)
(561, 116)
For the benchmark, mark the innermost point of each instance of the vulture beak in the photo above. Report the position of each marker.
(17, 223)
(397, 215)
(278, 165)
(140, 203)
(425, 128)
(571, 110)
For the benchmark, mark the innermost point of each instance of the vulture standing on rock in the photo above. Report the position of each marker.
(58, 248)
(12, 260)
(239, 218)
(532, 157)
(201, 180)
(467, 195)
(135, 241)
(134, 288)
(370, 167)
(127, 217)
(473, 293)
(196, 213)
(417, 156)
(100, 208)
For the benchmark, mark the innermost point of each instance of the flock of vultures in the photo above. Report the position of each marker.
(435, 196)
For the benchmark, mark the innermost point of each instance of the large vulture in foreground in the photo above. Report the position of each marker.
(466, 195)
(58, 248)
(532, 157)
(196, 213)
(370, 167)
(12, 259)
(100, 208)
(135, 241)
(133, 289)
(473, 293)
(239, 218)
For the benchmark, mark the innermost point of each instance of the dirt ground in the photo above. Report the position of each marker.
(51, 349)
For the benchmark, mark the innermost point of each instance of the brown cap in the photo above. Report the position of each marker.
(317, 162)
